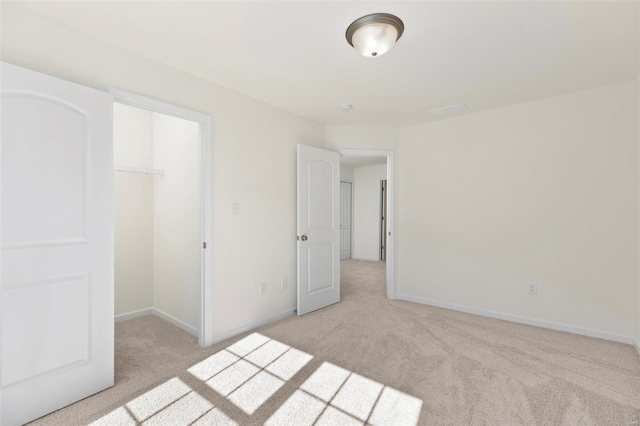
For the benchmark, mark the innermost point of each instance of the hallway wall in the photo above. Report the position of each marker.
(366, 211)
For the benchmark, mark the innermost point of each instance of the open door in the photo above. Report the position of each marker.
(318, 228)
(56, 236)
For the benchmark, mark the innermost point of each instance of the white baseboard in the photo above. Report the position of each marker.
(175, 321)
(253, 325)
(522, 320)
(134, 314)
(161, 314)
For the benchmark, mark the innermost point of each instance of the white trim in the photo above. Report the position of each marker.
(133, 314)
(160, 314)
(205, 335)
(175, 321)
(621, 338)
(391, 252)
(254, 325)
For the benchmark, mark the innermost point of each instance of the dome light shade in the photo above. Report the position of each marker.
(373, 35)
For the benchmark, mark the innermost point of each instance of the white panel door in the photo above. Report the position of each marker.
(56, 235)
(318, 228)
(345, 220)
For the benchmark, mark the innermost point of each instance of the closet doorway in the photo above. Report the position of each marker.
(162, 193)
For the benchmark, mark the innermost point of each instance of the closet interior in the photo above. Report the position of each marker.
(158, 223)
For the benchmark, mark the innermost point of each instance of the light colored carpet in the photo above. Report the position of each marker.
(402, 360)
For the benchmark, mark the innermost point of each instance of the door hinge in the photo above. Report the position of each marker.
(204, 245)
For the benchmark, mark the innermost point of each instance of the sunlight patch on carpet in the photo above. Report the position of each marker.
(157, 398)
(333, 395)
(213, 365)
(395, 407)
(326, 381)
(249, 372)
(300, 409)
(172, 402)
(250, 396)
(182, 412)
(230, 379)
(120, 416)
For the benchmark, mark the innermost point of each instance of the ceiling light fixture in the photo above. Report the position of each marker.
(346, 107)
(373, 35)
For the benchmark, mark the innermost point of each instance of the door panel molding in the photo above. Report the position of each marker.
(318, 253)
(56, 245)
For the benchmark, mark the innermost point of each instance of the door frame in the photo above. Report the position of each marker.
(351, 210)
(389, 154)
(383, 223)
(205, 121)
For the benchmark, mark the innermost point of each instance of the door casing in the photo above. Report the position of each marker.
(389, 154)
(205, 329)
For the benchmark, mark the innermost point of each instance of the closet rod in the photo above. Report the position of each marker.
(138, 170)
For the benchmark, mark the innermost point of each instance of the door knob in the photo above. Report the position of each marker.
(303, 238)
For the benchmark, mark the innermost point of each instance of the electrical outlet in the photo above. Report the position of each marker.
(263, 289)
(235, 209)
(284, 284)
(532, 289)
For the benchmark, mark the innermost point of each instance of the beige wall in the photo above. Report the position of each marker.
(361, 137)
(133, 193)
(366, 211)
(346, 173)
(177, 234)
(544, 192)
(253, 157)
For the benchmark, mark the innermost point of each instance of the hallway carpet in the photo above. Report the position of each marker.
(366, 359)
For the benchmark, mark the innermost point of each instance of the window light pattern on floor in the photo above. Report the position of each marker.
(173, 402)
(333, 395)
(251, 371)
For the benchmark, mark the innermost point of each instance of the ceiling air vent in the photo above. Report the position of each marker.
(451, 109)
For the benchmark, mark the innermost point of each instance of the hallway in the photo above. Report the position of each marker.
(359, 278)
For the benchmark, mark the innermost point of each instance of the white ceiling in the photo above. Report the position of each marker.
(294, 55)
(362, 161)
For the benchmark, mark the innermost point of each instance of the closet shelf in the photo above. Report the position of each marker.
(138, 170)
